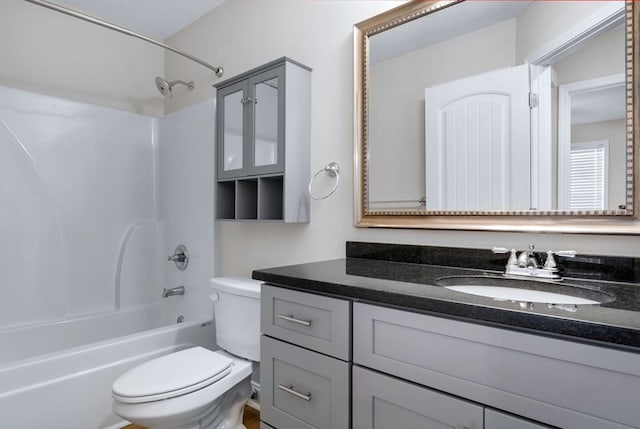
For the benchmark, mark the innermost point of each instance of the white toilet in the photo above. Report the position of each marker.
(197, 388)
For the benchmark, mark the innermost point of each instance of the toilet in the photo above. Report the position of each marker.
(197, 388)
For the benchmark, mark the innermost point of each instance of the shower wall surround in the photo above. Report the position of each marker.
(76, 183)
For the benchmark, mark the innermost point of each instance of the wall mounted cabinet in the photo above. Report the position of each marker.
(262, 143)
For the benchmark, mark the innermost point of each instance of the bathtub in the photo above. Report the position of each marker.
(60, 375)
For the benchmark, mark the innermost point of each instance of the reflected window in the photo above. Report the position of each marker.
(588, 175)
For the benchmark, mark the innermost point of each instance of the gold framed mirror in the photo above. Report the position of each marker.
(467, 117)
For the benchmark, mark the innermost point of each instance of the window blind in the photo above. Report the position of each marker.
(588, 176)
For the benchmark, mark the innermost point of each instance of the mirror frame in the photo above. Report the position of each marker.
(614, 222)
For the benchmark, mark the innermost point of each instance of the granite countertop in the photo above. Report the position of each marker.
(412, 286)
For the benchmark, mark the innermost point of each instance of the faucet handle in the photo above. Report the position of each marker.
(566, 253)
(513, 258)
(550, 262)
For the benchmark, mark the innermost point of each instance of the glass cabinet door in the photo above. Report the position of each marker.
(268, 121)
(251, 136)
(231, 135)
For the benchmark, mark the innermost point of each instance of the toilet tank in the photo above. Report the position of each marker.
(236, 302)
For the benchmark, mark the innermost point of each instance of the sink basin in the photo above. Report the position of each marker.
(524, 290)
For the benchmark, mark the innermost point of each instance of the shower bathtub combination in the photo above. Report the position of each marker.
(86, 228)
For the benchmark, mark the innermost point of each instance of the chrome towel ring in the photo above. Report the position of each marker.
(333, 170)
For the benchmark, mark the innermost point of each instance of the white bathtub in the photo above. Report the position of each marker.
(60, 375)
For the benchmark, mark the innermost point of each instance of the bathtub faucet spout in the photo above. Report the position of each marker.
(173, 291)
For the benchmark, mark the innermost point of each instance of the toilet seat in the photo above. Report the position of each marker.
(171, 375)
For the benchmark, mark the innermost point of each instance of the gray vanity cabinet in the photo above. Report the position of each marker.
(555, 382)
(262, 143)
(305, 357)
(383, 402)
(403, 369)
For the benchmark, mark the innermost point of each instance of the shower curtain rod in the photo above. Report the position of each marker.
(219, 71)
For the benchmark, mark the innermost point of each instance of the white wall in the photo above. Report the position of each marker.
(243, 34)
(55, 54)
(602, 56)
(553, 17)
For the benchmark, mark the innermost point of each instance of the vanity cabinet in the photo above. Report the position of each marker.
(551, 381)
(305, 353)
(332, 363)
(381, 401)
(262, 143)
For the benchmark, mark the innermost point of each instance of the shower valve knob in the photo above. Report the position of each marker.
(180, 257)
(177, 258)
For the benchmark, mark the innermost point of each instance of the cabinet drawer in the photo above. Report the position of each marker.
(494, 419)
(555, 382)
(383, 402)
(312, 321)
(306, 389)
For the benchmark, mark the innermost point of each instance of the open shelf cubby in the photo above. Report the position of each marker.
(247, 199)
(270, 198)
(258, 198)
(226, 200)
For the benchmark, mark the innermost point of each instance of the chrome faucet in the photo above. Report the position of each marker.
(526, 264)
(173, 291)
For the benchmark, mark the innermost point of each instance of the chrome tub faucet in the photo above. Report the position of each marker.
(173, 291)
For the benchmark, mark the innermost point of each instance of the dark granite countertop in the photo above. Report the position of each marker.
(412, 286)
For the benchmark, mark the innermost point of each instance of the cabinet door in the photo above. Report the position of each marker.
(497, 420)
(266, 139)
(383, 402)
(232, 117)
(302, 389)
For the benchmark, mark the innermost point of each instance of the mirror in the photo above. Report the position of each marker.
(469, 117)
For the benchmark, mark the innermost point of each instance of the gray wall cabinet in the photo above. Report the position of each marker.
(262, 143)
(412, 370)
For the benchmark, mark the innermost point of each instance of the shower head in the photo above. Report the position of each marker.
(165, 86)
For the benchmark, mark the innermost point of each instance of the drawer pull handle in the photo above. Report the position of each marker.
(289, 389)
(290, 318)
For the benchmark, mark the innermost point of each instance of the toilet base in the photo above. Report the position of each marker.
(213, 418)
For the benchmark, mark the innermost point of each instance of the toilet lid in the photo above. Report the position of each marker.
(171, 375)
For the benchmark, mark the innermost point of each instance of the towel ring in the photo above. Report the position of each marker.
(333, 170)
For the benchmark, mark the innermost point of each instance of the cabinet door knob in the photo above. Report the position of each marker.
(246, 100)
(290, 389)
(290, 318)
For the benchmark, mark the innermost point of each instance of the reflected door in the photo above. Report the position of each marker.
(477, 142)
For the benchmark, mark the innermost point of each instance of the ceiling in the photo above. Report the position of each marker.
(159, 19)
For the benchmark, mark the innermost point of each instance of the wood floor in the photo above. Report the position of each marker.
(251, 420)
